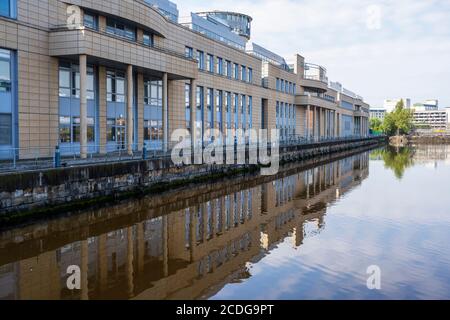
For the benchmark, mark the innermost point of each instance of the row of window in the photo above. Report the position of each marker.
(285, 119)
(220, 66)
(285, 86)
(237, 107)
(118, 28)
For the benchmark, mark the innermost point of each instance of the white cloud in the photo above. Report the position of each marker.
(407, 56)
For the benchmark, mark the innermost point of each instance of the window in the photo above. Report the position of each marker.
(250, 75)
(236, 112)
(219, 106)
(189, 52)
(210, 63)
(90, 20)
(228, 69)
(228, 109)
(282, 85)
(115, 86)
(69, 88)
(8, 8)
(201, 60)
(5, 70)
(278, 84)
(187, 103)
(5, 129)
(244, 73)
(220, 66)
(243, 113)
(120, 29)
(236, 71)
(209, 102)
(250, 112)
(153, 130)
(199, 111)
(148, 39)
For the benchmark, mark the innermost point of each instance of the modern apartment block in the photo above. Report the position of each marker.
(101, 76)
(377, 113)
(390, 104)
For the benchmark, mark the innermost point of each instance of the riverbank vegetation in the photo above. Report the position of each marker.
(398, 122)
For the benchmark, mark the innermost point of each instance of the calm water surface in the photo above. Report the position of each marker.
(311, 235)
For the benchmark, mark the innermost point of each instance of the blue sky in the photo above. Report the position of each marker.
(378, 49)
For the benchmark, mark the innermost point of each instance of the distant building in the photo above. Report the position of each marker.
(428, 105)
(166, 8)
(390, 104)
(378, 113)
(433, 119)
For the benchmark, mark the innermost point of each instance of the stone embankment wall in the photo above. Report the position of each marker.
(62, 187)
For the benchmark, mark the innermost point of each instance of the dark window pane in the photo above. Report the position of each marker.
(5, 129)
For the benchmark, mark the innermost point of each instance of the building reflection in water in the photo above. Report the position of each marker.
(185, 254)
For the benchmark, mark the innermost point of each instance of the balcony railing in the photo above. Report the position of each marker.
(37, 158)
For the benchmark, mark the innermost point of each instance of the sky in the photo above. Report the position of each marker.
(378, 49)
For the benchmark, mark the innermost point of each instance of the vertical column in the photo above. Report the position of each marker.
(308, 122)
(165, 111)
(165, 246)
(83, 106)
(140, 110)
(130, 94)
(214, 116)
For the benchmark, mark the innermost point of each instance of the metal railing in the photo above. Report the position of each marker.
(36, 158)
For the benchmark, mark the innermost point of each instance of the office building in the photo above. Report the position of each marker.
(94, 77)
(377, 113)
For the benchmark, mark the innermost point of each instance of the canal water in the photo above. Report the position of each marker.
(311, 235)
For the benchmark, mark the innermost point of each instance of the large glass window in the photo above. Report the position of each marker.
(187, 103)
(219, 106)
(209, 102)
(199, 111)
(153, 130)
(121, 29)
(228, 109)
(250, 112)
(148, 39)
(236, 111)
(243, 113)
(5, 129)
(90, 20)
(250, 75)
(69, 93)
(115, 86)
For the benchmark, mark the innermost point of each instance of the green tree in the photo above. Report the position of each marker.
(399, 121)
(376, 125)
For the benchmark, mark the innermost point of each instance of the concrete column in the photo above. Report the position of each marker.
(130, 93)
(83, 106)
(308, 122)
(165, 111)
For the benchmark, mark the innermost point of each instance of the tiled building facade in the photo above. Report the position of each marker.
(98, 76)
